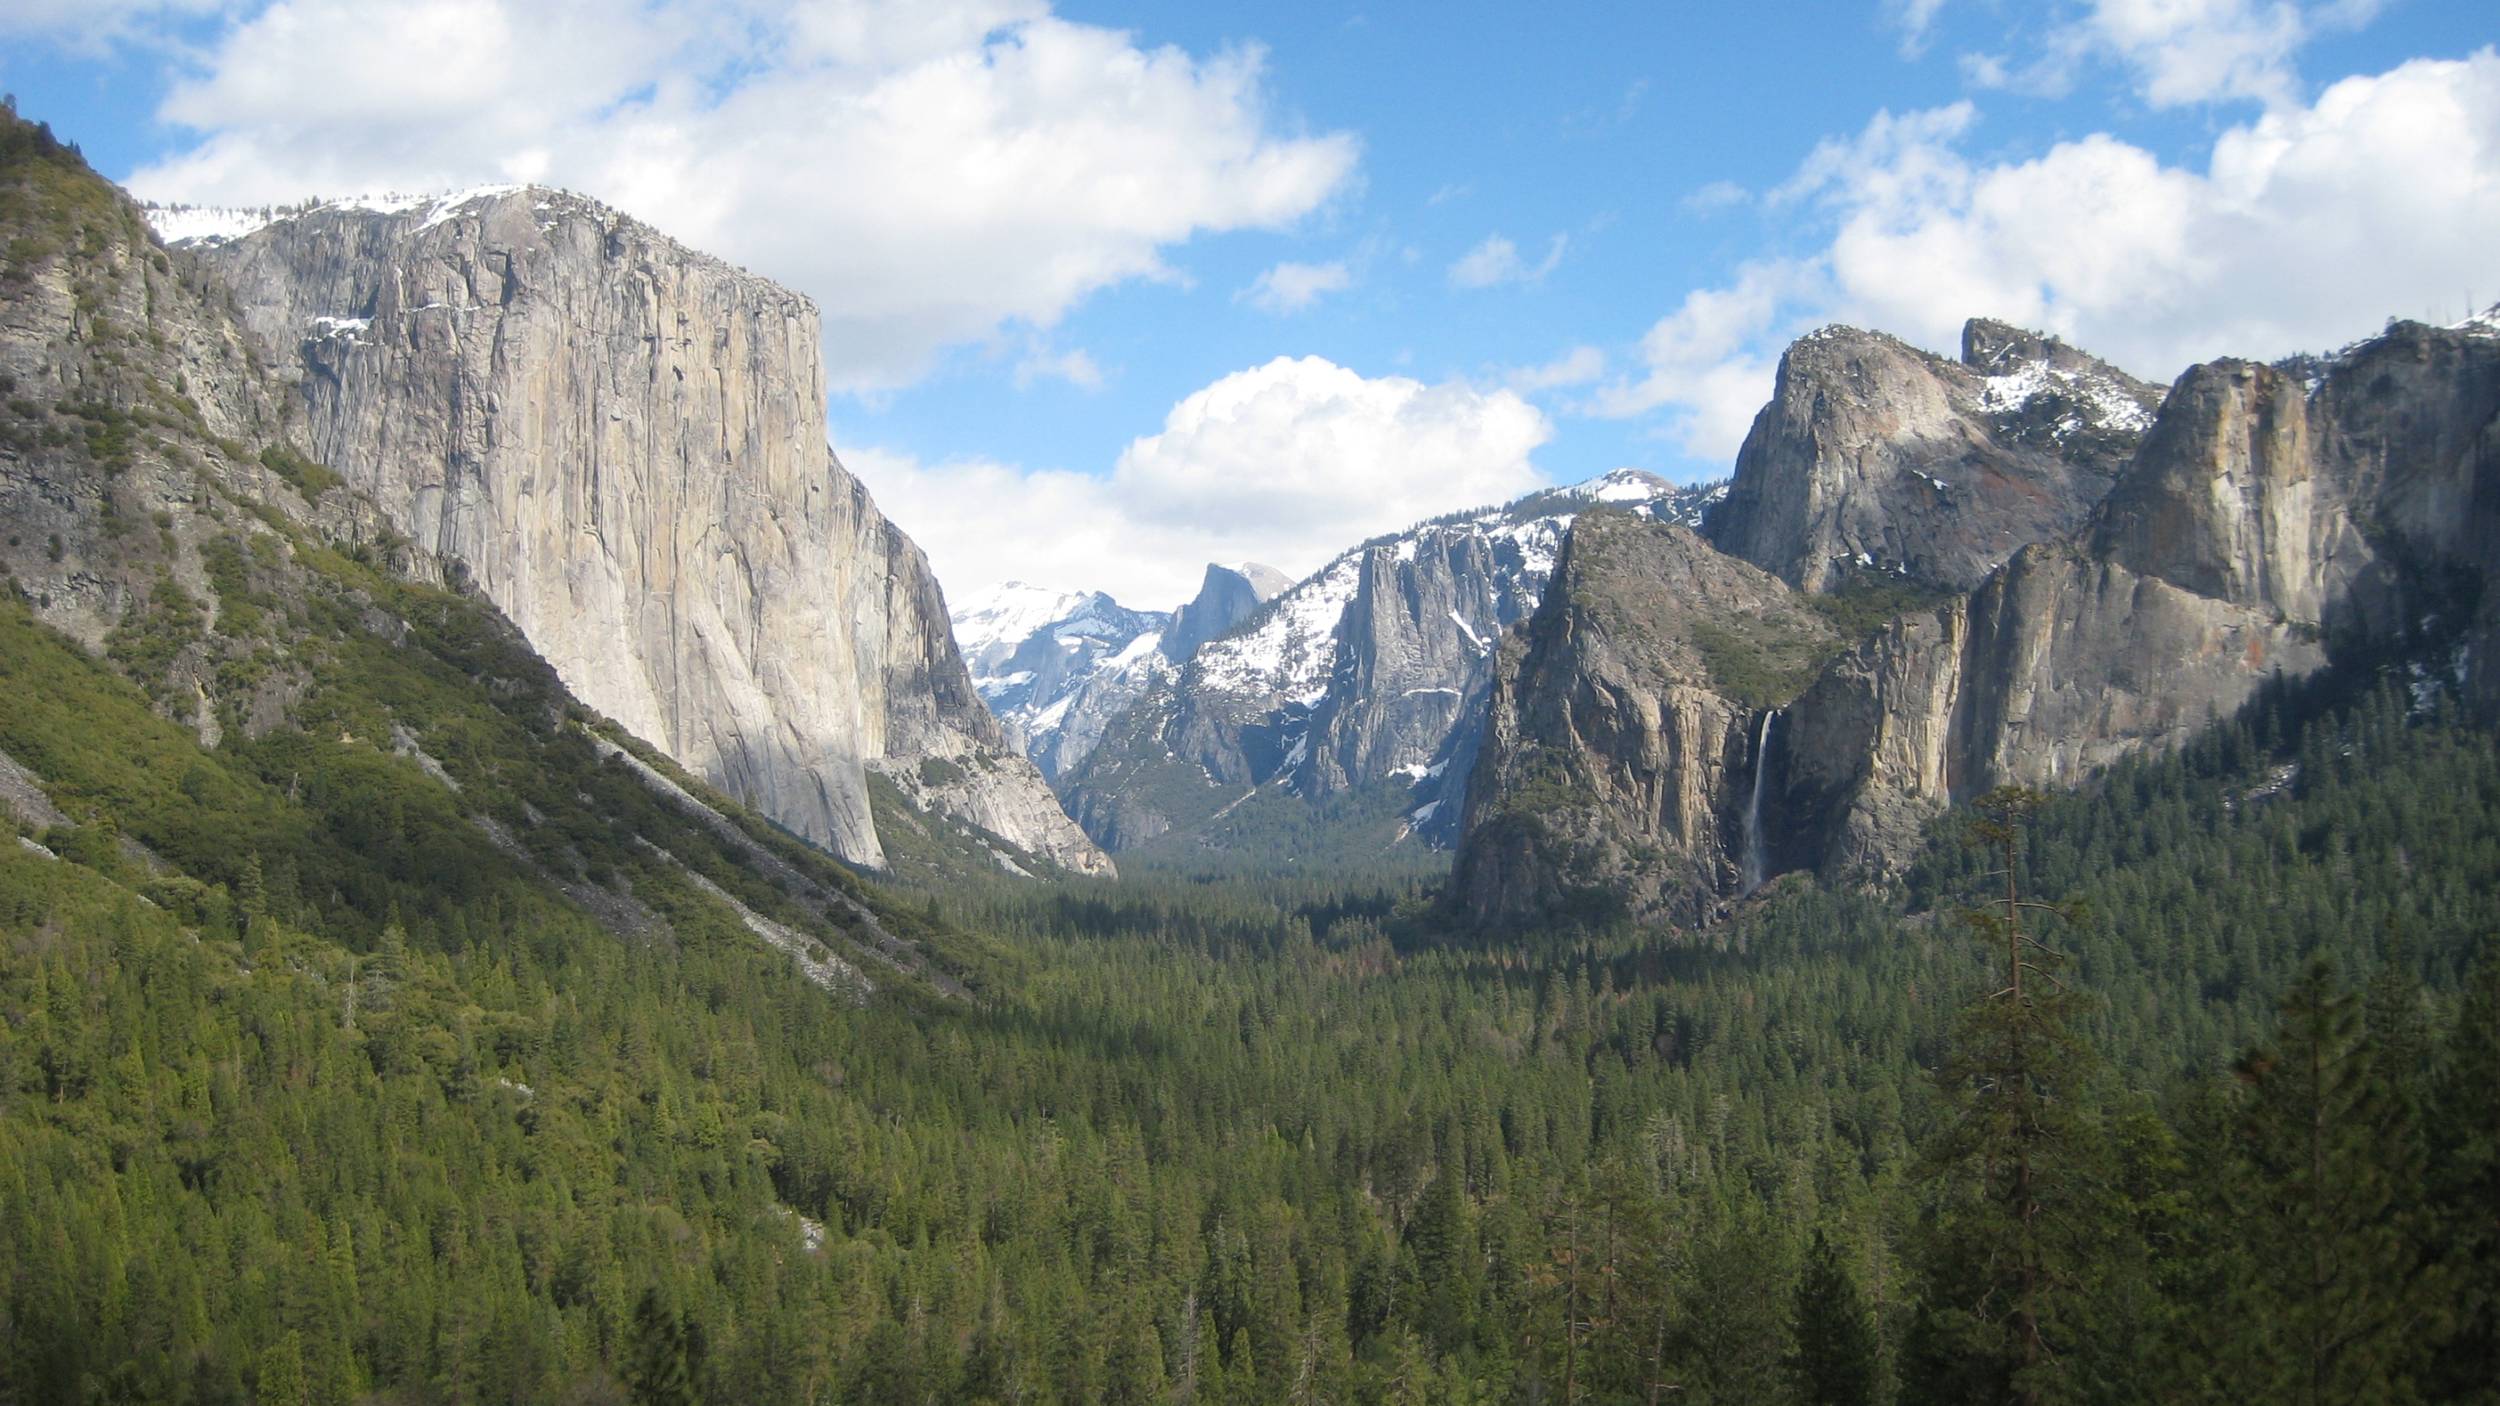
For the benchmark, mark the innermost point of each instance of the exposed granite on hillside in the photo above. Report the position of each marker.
(1875, 456)
(621, 442)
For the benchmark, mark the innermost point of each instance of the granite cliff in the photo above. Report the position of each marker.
(2271, 522)
(1876, 456)
(1623, 729)
(226, 663)
(620, 442)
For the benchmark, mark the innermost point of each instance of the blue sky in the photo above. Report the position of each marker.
(1061, 250)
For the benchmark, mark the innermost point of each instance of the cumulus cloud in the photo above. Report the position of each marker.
(1290, 288)
(1286, 463)
(1711, 360)
(1496, 261)
(2303, 229)
(1576, 367)
(932, 173)
(2179, 52)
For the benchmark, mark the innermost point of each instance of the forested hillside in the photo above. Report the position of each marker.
(1234, 1143)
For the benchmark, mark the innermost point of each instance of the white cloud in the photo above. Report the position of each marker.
(931, 173)
(2181, 52)
(1286, 463)
(2305, 228)
(1576, 367)
(1915, 19)
(1496, 261)
(1717, 196)
(1075, 367)
(1290, 288)
(1711, 360)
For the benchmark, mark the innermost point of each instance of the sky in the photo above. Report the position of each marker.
(1111, 290)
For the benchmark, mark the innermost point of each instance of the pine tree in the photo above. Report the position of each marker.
(664, 1355)
(2466, 1188)
(1835, 1354)
(2337, 1296)
(2013, 1160)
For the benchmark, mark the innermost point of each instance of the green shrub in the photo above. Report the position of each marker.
(306, 476)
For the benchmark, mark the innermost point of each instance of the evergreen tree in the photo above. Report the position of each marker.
(2337, 1295)
(2011, 1164)
(2467, 1190)
(663, 1355)
(1835, 1360)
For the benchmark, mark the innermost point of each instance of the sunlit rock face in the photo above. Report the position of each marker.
(621, 442)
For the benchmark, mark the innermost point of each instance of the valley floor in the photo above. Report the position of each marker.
(1271, 1140)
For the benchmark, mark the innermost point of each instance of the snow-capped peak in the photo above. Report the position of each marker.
(1006, 615)
(1622, 486)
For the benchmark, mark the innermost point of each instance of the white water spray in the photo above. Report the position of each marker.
(1753, 808)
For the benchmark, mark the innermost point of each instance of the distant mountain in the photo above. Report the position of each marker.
(1359, 691)
(1058, 666)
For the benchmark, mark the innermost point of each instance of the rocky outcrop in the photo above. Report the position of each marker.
(2274, 521)
(1621, 741)
(1876, 457)
(1228, 596)
(1414, 651)
(621, 443)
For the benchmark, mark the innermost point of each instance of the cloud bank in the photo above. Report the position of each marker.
(1286, 463)
(2304, 228)
(932, 172)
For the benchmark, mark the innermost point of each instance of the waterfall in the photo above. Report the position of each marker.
(1753, 809)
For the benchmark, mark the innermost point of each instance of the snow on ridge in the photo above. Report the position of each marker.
(1622, 486)
(205, 224)
(1290, 646)
(2107, 403)
(2486, 322)
(1009, 614)
(218, 224)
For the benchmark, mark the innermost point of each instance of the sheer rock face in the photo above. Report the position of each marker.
(622, 443)
(1228, 596)
(2229, 499)
(2268, 521)
(2325, 502)
(1617, 758)
(1414, 651)
(2058, 665)
(1875, 456)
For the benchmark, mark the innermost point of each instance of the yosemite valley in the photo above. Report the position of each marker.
(523, 884)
